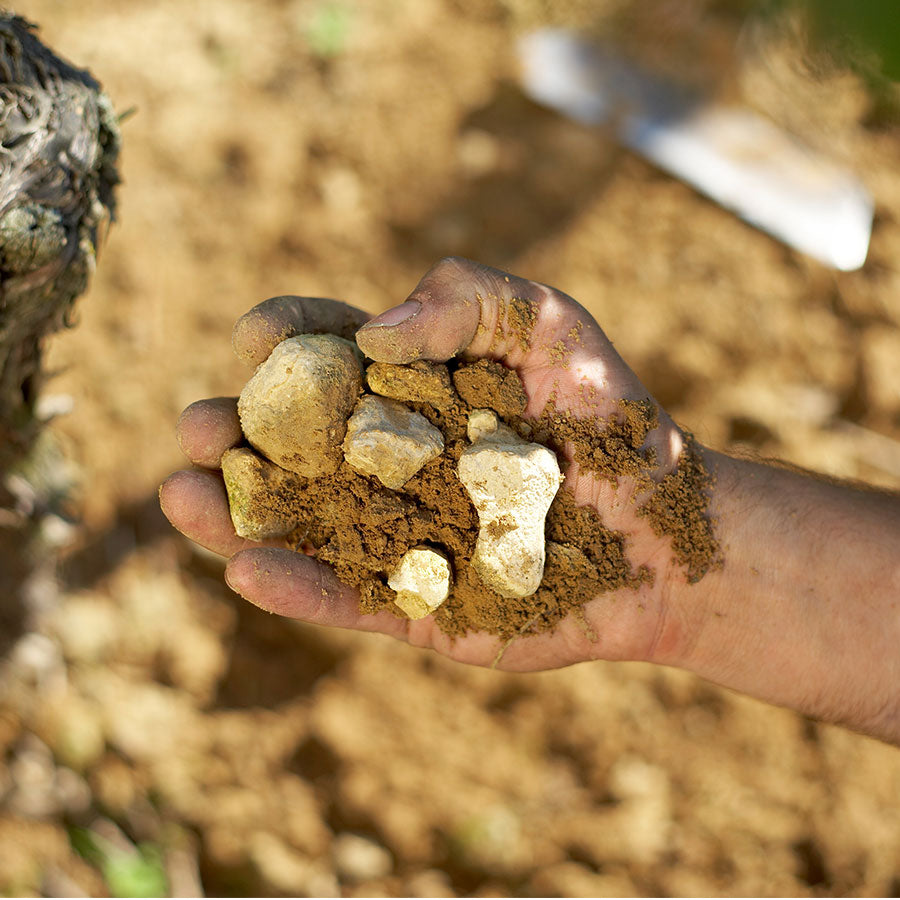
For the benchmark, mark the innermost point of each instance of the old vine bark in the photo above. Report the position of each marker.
(59, 141)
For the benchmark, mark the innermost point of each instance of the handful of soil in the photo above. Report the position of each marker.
(424, 488)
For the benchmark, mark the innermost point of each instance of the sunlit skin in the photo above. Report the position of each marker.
(803, 612)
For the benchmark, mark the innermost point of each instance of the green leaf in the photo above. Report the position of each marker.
(872, 24)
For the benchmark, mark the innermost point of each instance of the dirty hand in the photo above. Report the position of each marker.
(459, 307)
(802, 612)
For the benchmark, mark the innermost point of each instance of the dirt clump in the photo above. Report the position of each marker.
(677, 508)
(364, 529)
(521, 314)
(610, 447)
(488, 385)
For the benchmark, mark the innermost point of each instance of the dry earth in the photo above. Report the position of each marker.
(337, 149)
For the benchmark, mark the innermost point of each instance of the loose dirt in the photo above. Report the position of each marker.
(362, 529)
(614, 448)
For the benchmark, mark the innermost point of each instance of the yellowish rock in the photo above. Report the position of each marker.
(482, 423)
(422, 581)
(257, 489)
(420, 382)
(294, 409)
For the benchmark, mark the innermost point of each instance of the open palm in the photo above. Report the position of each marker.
(458, 308)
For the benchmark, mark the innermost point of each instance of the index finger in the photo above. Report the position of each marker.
(259, 331)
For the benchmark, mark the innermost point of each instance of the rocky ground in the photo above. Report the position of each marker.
(160, 735)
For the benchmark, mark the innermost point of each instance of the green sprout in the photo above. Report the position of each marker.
(138, 872)
(328, 28)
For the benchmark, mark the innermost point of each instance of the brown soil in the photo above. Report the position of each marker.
(145, 697)
(678, 507)
(488, 385)
(362, 529)
(614, 448)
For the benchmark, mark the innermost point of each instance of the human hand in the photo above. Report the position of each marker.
(560, 354)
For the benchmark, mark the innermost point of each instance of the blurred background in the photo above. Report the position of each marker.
(160, 735)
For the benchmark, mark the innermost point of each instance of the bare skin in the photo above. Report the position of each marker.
(803, 613)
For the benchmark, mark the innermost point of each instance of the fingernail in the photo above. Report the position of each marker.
(394, 316)
(230, 583)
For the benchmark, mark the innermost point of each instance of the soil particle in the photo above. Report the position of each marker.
(498, 335)
(521, 315)
(363, 530)
(559, 353)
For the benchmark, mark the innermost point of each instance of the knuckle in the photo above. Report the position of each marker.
(454, 267)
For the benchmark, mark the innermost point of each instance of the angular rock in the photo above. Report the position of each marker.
(420, 382)
(294, 409)
(511, 483)
(390, 441)
(258, 495)
(422, 581)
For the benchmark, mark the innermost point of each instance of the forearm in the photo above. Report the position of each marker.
(805, 610)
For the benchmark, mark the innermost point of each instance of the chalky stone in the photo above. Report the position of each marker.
(422, 582)
(511, 483)
(390, 441)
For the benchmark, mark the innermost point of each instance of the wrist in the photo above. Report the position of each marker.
(689, 609)
(803, 611)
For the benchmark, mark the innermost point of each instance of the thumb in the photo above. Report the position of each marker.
(462, 306)
(439, 319)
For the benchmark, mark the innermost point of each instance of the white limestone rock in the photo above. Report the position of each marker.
(390, 441)
(511, 483)
(422, 581)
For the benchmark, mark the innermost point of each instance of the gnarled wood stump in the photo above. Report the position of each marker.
(58, 146)
(59, 141)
